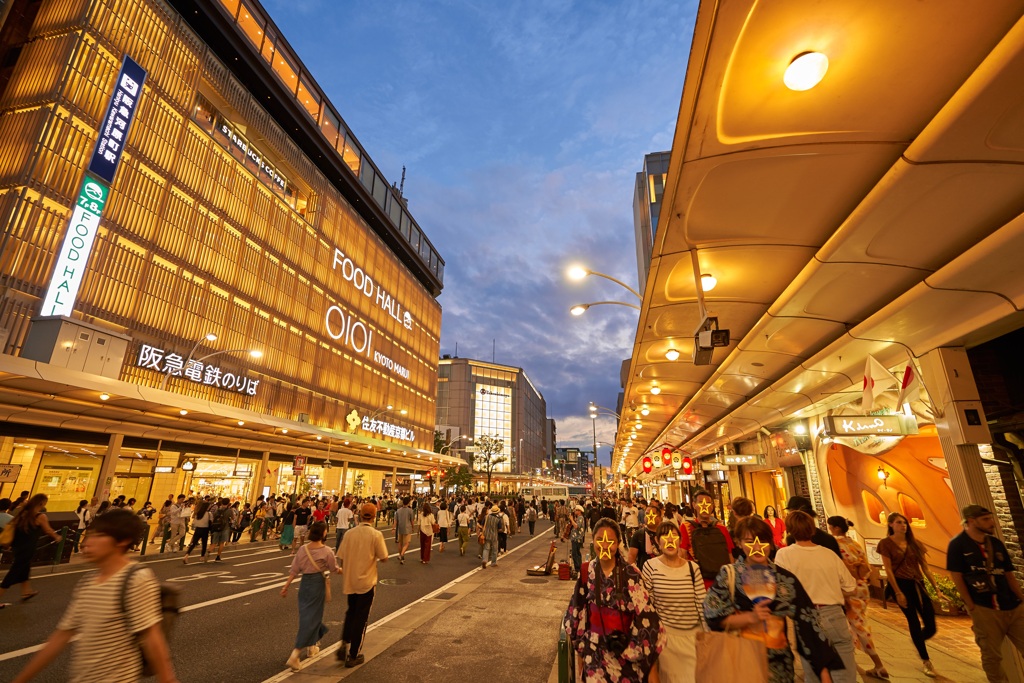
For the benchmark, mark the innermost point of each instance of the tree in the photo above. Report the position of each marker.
(458, 478)
(439, 441)
(487, 458)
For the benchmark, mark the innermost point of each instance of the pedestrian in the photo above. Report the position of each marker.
(711, 543)
(531, 518)
(84, 517)
(29, 524)
(677, 592)
(905, 568)
(176, 522)
(444, 520)
(288, 528)
(201, 518)
(820, 537)
(161, 520)
(427, 521)
(577, 535)
(111, 613)
(491, 528)
(345, 517)
(314, 562)
(982, 570)
(242, 521)
(503, 530)
(464, 521)
(5, 514)
(728, 608)
(361, 549)
(643, 544)
(777, 525)
(404, 519)
(614, 628)
(827, 582)
(303, 515)
(220, 526)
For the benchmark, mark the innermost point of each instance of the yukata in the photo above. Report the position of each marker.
(791, 600)
(617, 605)
(857, 604)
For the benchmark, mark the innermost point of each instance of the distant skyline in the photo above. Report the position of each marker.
(522, 126)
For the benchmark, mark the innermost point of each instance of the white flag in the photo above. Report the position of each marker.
(911, 387)
(877, 379)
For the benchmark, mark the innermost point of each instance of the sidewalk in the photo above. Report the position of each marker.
(498, 625)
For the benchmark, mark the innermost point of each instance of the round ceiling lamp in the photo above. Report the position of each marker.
(708, 282)
(672, 354)
(655, 389)
(805, 71)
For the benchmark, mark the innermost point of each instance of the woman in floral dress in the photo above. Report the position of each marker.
(856, 561)
(767, 622)
(611, 621)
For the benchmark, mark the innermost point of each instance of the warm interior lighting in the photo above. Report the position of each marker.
(805, 71)
(672, 354)
(241, 423)
(707, 282)
(284, 431)
(778, 479)
(318, 437)
(645, 411)
(577, 272)
(104, 396)
(579, 309)
(211, 337)
(255, 353)
(182, 412)
(655, 389)
(799, 429)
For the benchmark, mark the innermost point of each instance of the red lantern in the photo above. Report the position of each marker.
(666, 456)
(648, 464)
(687, 466)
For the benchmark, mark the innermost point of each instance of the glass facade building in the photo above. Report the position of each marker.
(244, 215)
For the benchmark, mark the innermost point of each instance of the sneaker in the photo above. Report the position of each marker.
(483, 565)
(217, 559)
(354, 661)
(928, 669)
(341, 652)
(401, 560)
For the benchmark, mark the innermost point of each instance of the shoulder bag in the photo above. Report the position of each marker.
(727, 657)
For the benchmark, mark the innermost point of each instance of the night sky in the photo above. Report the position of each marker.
(522, 126)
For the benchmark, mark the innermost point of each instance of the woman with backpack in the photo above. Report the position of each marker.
(201, 518)
(84, 517)
(28, 524)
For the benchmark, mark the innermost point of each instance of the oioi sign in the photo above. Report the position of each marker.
(73, 257)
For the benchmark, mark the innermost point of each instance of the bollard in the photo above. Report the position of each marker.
(145, 542)
(60, 545)
(563, 657)
(166, 537)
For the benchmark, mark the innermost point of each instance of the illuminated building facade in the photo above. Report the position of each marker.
(477, 398)
(241, 214)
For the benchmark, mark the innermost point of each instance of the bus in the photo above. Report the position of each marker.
(555, 492)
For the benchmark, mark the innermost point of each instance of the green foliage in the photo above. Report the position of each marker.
(439, 441)
(947, 590)
(459, 478)
(487, 458)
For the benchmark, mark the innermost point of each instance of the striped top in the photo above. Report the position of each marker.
(106, 649)
(676, 596)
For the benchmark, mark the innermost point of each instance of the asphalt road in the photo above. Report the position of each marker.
(234, 626)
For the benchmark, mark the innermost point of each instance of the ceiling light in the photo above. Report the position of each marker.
(284, 431)
(707, 282)
(800, 429)
(805, 71)
(655, 389)
(104, 396)
(672, 354)
(638, 426)
(256, 353)
(318, 437)
(241, 423)
(182, 412)
(645, 411)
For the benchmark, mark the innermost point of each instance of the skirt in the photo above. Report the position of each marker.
(678, 661)
(312, 592)
(287, 534)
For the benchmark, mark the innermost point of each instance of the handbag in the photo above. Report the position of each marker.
(327, 575)
(726, 657)
(436, 528)
(7, 535)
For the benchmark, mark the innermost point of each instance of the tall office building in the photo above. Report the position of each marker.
(476, 398)
(177, 192)
(647, 192)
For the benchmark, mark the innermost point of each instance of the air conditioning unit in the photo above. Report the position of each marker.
(303, 418)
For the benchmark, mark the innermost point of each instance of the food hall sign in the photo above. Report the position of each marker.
(869, 425)
(351, 331)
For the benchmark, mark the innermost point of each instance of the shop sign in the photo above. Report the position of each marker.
(416, 477)
(744, 459)
(687, 477)
(713, 467)
(163, 469)
(113, 132)
(388, 429)
(9, 473)
(252, 154)
(869, 425)
(153, 358)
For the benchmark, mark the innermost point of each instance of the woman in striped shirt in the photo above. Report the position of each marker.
(677, 590)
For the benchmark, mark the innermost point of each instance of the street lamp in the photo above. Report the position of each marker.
(385, 409)
(579, 272)
(580, 309)
(253, 353)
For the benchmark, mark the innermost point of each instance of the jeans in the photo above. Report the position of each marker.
(991, 627)
(577, 555)
(918, 603)
(490, 551)
(532, 525)
(338, 535)
(833, 623)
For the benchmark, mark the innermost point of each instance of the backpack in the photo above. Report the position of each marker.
(169, 613)
(221, 520)
(710, 549)
(501, 524)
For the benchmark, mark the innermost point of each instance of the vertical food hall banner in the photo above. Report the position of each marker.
(62, 290)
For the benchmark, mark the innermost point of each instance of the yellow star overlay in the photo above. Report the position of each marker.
(704, 507)
(604, 546)
(757, 548)
(670, 540)
(651, 516)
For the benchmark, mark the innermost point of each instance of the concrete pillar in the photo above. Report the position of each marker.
(261, 478)
(343, 486)
(109, 466)
(394, 480)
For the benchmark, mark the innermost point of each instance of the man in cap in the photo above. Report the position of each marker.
(820, 537)
(983, 573)
(361, 548)
(492, 527)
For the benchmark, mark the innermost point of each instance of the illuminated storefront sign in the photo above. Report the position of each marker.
(9, 473)
(358, 278)
(869, 425)
(744, 459)
(153, 358)
(62, 290)
(387, 429)
(252, 154)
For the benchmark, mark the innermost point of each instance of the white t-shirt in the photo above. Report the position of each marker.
(345, 516)
(106, 649)
(823, 575)
(630, 518)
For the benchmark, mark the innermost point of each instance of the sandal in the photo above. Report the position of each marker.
(29, 596)
(4, 604)
(879, 673)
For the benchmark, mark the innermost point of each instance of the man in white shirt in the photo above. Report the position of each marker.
(361, 549)
(345, 516)
(826, 580)
(176, 523)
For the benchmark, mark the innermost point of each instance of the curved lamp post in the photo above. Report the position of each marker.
(579, 272)
(580, 309)
(253, 353)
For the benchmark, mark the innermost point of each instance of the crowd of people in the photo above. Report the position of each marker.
(661, 574)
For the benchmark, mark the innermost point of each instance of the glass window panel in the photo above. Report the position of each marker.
(268, 47)
(380, 189)
(415, 241)
(285, 68)
(395, 210)
(405, 226)
(252, 25)
(352, 158)
(231, 6)
(366, 177)
(330, 126)
(308, 98)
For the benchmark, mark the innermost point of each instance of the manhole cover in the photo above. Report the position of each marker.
(394, 582)
(533, 580)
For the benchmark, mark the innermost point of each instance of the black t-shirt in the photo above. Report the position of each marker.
(302, 516)
(966, 556)
(639, 541)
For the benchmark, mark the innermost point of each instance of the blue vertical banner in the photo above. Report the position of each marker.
(117, 121)
(73, 257)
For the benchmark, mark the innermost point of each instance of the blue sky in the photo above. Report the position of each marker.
(522, 126)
